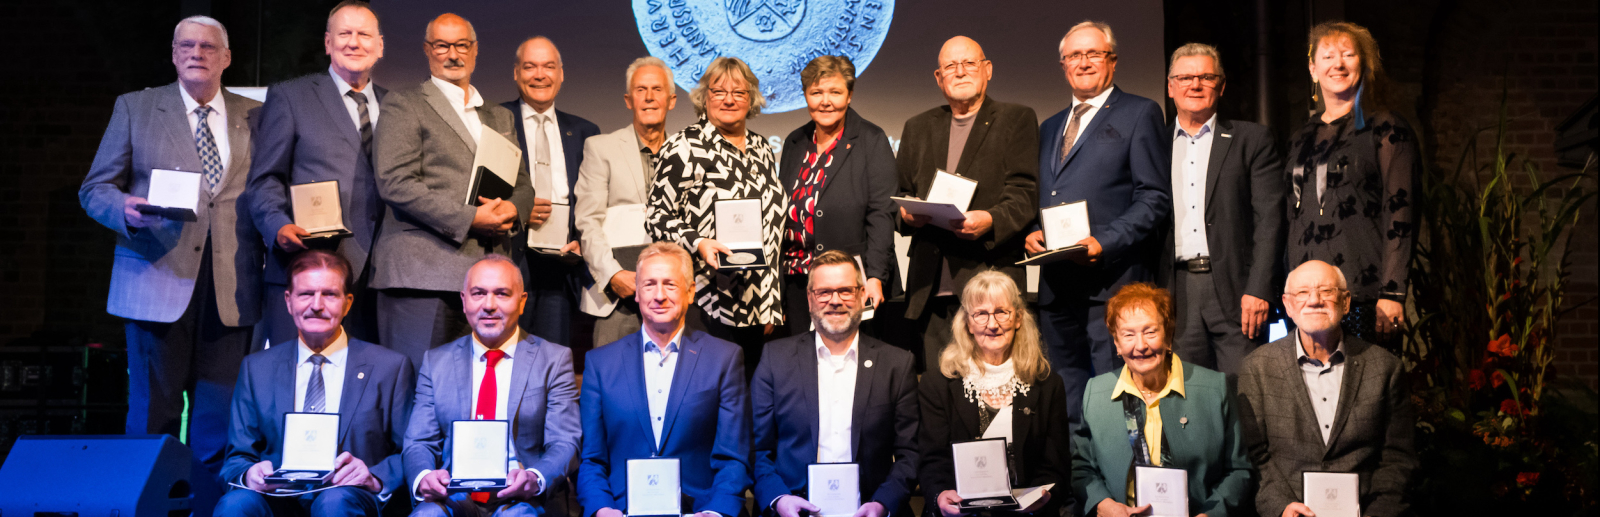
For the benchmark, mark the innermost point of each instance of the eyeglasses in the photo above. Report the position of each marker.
(969, 65)
(1001, 317)
(1094, 56)
(738, 95)
(441, 47)
(1324, 293)
(845, 294)
(189, 46)
(1208, 80)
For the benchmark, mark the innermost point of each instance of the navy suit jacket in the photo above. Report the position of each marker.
(883, 420)
(544, 419)
(706, 427)
(1121, 164)
(574, 130)
(305, 136)
(373, 410)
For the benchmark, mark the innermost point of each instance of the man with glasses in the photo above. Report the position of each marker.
(187, 286)
(981, 139)
(1360, 420)
(432, 234)
(1227, 231)
(811, 395)
(1109, 148)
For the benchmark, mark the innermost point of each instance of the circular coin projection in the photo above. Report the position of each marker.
(775, 37)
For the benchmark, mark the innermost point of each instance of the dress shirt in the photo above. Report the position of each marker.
(836, 393)
(960, 129)
(658, 370)
(647, 158)
(332, 372)
(558, 161)
(1095, 103)
(1191, 155)
(466, 103)
(218, 121)
(502, 392)
(1323, 381)
(1152, 414)
(350, 104)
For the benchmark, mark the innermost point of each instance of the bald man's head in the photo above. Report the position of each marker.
(538, 72)
(964, 71)
(1316, 297)
(452, 47)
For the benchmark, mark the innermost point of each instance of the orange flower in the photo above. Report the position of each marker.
(1527, 479)
(1475, 380)
(1510, 407)
(1497, 379)
(1502, 346)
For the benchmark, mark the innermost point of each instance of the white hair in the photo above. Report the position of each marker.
(201, 20)
(1337, 273)
(1197, 49)
(1089, 24)
(648, 61)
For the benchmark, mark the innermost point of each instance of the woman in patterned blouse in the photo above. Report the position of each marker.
(1353, 170)
(718, 158)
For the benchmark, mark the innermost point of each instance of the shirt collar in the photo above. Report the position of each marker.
(459, 99)
(479, 349)
(674, 344)
(335, 351)
(1207, 127)
(1098, 101)
(528, 111)
(339, 82)
(1174, 382)
(824, 353)
(1300, 356)
(189, 104)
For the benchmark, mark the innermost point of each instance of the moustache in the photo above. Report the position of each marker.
(455, 62)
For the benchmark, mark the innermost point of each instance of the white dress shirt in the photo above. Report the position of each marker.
(1095, 103)
(1191, 155)
(836, 394)
(350, 104)
(658, 370)
(502, 395)
(1323, 382)
(558, 163)
(218, 122)
(465, 102)
(332, 372)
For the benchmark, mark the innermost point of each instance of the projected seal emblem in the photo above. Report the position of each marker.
(775, 37)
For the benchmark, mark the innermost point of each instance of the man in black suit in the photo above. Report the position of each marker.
(983, 139)
(811, 396)
(1227, 228)
(324, 371)
(552, 147)
(319, 128)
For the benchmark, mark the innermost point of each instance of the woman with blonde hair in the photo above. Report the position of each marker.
(995, 382)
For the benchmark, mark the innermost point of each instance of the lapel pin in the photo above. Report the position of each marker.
(569, 133)
(1027, 411)
(868, 364)
(361, 375)
(1184, 422)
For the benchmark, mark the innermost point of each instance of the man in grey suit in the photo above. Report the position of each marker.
(498, 372)
(618, 168)
(423, 153)
(188, 288)
(1320, 400)
(319, 128)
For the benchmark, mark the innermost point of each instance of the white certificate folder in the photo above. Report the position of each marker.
(948, 199)
(494, 168)
(738, 226)
(552, 235)
(1166, 490)
(310, 446)
(983, 475)
(479, 455)
(835, 488)
(1063, 225)
(317, 209)
(173, 195)
(1333, 494)
(654, 489)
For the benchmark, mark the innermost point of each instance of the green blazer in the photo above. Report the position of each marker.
(1207, 446)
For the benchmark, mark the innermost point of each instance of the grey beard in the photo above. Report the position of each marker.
(850, 327)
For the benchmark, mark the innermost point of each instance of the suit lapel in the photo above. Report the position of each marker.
(441, 106)
(571, 151)
(284, 373)
(1297, 384)
(688, 357)
(180, 136)
(980, 129)
(333, 106)
(810, 389)
(1219, 153)
(1084, 133)
(962, 409)
(865, 381)
(1349, 387)
(356, 373)
(238, 139)
(841, 150)
(941, 150)
(521, 369)
(462, 358)
(640, 178)
(1022, 419)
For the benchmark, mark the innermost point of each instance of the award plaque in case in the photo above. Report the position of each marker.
(738, 226)
(478, 455)
(310, 446)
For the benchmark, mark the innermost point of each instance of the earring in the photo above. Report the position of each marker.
(1314, 90)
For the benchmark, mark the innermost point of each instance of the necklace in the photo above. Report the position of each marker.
(994, 383)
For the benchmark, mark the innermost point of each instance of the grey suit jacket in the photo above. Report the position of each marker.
(422, 156)
(543, 402)
(1372, 431)
(154, 269)
(611, 175)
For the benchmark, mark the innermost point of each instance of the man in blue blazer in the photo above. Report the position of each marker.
(1110, 149)
(319, 128)
(324, 371)
(552, 148)
(835, 396)
(497, 372)
(667, 391)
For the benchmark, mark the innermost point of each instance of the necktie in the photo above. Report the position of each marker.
(210, 159)
(486, 402)
(316, 391)
(542, 182)
(366, 121)
(1072, 129)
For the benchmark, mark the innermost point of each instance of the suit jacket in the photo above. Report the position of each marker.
(611, 175)
(422, 156)
(154, 269)
(1121, 164)
(857, 217)
(883, 421)
(306, 136)
(574, 130)
(373, 410)
(1373, 429)
(1040, 450)
(1243, 214)
(1211, 451)
(542, 402)
(707, 423)
(1000, 155)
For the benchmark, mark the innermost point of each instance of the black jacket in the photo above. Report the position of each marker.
(854, 213)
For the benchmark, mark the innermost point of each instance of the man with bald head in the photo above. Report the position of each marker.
(422, 155)
(987, 141)
(552, 149)
(1360, 418)
(501, 373)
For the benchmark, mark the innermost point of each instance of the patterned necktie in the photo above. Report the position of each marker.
(210, 159)
(366, 121)
(1072, 129)
(542, 182)
(316, 391)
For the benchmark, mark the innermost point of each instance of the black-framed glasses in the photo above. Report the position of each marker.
(1000, 317)
(1324, 293)
(968, 65)
(1094, 56)
(443, 47)
(845, 294)
(1207, 80)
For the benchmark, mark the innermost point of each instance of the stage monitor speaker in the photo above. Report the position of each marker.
(96, 476)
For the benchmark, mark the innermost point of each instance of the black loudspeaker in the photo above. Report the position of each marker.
(97, 476)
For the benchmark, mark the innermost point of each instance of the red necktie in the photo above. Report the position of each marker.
(486, 402)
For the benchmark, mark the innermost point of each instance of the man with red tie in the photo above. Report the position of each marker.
(498, 372)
